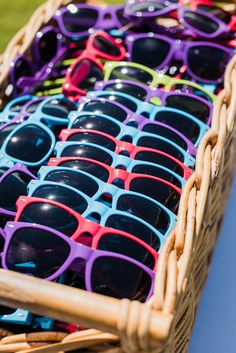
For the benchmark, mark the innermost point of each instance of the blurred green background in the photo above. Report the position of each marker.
(14, 14)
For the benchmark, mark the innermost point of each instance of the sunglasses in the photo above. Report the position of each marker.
(30, 142)
(157, 51)
(140, 73)
(134, 153)
(47, 49)
(98, 237)
(13, 183)
(64, 219)
(46, 253)
(106, 202)
(54, 108)
(20, 105)
(105, 173)
(214, 9)
(147, 9)
(86, 69)
(128, 91)
(173, 124)
(19, 316)
(205, 23)
(114, 128)
(78, 20)
(158, 189)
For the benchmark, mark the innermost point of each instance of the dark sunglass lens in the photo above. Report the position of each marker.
(157, 172)
(144, 209)
(216, 11)
(160, 159)
(135, 227)
(128, 247)
(30, 144)
(94, 122)
(146, 7)
(129, 282)
(192, 90)
(63, 195)
(2, 171)
(128, 88)
(183, 124)
(11, 187)
(31, 108)
(16, 107)
(151, 52)
(87, 152)
(51, 216)
(157, 190)
(37, 252)
(161, 145)
(88, 167)
(84, 137)
(58, 108)
(213, 62)
(106, 46)
(167, 133)
(200, 22)
(128, 103)
(4, 310)
(190, 105)
(120, 15)
(21, 69)
(79, 181)
(48, 46)
(131, 73)
(107, 108)
(78, 19)
(5, 131)
(85, 74)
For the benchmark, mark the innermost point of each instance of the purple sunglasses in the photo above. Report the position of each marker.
(157, 51)
(13, 183)
(47, 50)
(78, 20)
(127, 117)
(197, 21)
(203, 23)
(192, 100)
(46, 253)
(148, 9)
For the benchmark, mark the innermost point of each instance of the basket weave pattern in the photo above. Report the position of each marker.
(164, 324)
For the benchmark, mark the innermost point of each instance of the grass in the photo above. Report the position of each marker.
(14, 14)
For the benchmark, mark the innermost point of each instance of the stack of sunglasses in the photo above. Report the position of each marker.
(98, 138)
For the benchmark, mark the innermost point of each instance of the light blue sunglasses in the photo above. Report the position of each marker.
(110, 126)
(184, 122)
(127, 211)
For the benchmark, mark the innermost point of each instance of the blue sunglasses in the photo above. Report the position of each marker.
(185, 123)
(31, 142)
(104, 155)
(108, 125)
(157, 189)
(124, 211)
(14, 107)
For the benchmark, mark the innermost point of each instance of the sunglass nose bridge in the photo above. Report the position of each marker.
(117, 177)
(179, 47)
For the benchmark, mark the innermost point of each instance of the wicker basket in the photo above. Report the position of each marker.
(164, 324)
